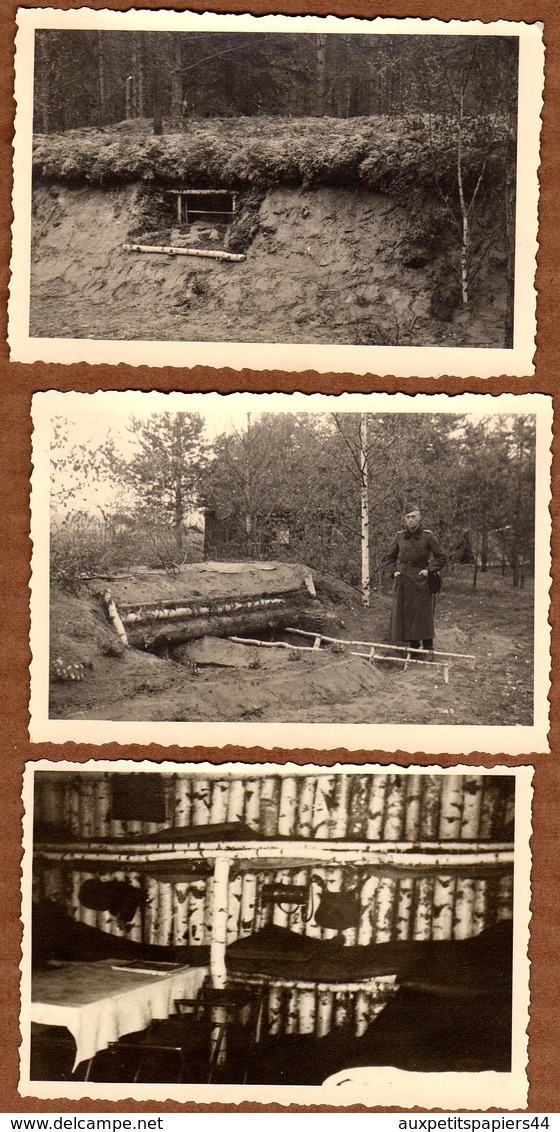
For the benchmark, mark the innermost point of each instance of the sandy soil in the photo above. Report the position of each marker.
(495, 623)
(324, 267)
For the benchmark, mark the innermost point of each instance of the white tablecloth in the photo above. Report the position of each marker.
(99, 1005)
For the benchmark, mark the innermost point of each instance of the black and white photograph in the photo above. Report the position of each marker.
(363, 571)
(263, 932)
(362, 187)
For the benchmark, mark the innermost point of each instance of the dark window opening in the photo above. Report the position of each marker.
(215, 206)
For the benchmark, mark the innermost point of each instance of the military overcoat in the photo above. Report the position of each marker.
(412, 616)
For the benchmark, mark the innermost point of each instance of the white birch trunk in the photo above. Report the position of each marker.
(364, 497)
(305, 806)
(451, 808)
(404, 908)
(472, 805)
(251, 803)
(376, 809)
(236, 800)
(443, 904)
(182, 815)
(219, 804)
(201, 801)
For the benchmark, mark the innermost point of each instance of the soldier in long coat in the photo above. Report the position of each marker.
(414, 553)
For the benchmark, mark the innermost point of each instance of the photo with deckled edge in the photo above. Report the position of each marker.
(423, 868)
(367, 204)
(213, 570)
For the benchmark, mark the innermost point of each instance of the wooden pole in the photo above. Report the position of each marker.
(381, 645)
(114, 617)
(155, 249)
(364, 495)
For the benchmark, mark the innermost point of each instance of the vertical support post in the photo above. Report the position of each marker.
(364, 495)
(179, 208)
(218, 972)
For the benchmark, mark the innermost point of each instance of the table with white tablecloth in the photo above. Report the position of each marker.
(99, 1003)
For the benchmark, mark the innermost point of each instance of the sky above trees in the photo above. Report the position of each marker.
(288, 484)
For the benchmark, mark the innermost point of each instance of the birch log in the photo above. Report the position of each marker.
(324, 1011)
(201, 801)
(394, 812)
(364, 500)
(305, 806)
(236, 799)
(358, 817)
(443, 904)
(412, 808)
(431, 802)
(324, 794)
(464, 901)
(102, 803)
(235, 892)
(451, 807)
(339, 819)
(182, 807)
(252, 794)
(288, 806)
(472, 805)
(247, 913)
(403, 922)
(219, 803)
(424, 908)
(376, 808)
(197, 899)
(156, 249)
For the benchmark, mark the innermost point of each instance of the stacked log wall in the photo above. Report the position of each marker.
(415, 904)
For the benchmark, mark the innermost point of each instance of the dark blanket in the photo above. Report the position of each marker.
(480, 965)
(57, 936)
(451, 1012)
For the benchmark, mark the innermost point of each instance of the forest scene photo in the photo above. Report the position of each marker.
(235, 566)
(274, 187)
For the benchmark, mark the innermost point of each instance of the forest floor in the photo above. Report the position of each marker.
(322, 266)
(227, 683)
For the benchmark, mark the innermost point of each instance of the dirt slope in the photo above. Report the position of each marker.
(244, 683)
(324, 267)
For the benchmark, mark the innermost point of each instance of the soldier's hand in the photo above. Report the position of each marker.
(423, 573)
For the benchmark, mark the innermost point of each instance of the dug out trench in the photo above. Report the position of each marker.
(325, 265)
(180, 666)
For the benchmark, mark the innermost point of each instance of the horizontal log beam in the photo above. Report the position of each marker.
(223, 625)
(162, 613)
(386, 855)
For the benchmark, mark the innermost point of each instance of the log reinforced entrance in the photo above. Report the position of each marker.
(154, 626)
(214, 205)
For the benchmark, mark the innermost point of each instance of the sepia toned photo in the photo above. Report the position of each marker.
(290, 570)
(266, 933)
(345, 191)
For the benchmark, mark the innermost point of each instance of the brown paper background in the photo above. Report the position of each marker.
(18, 382)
